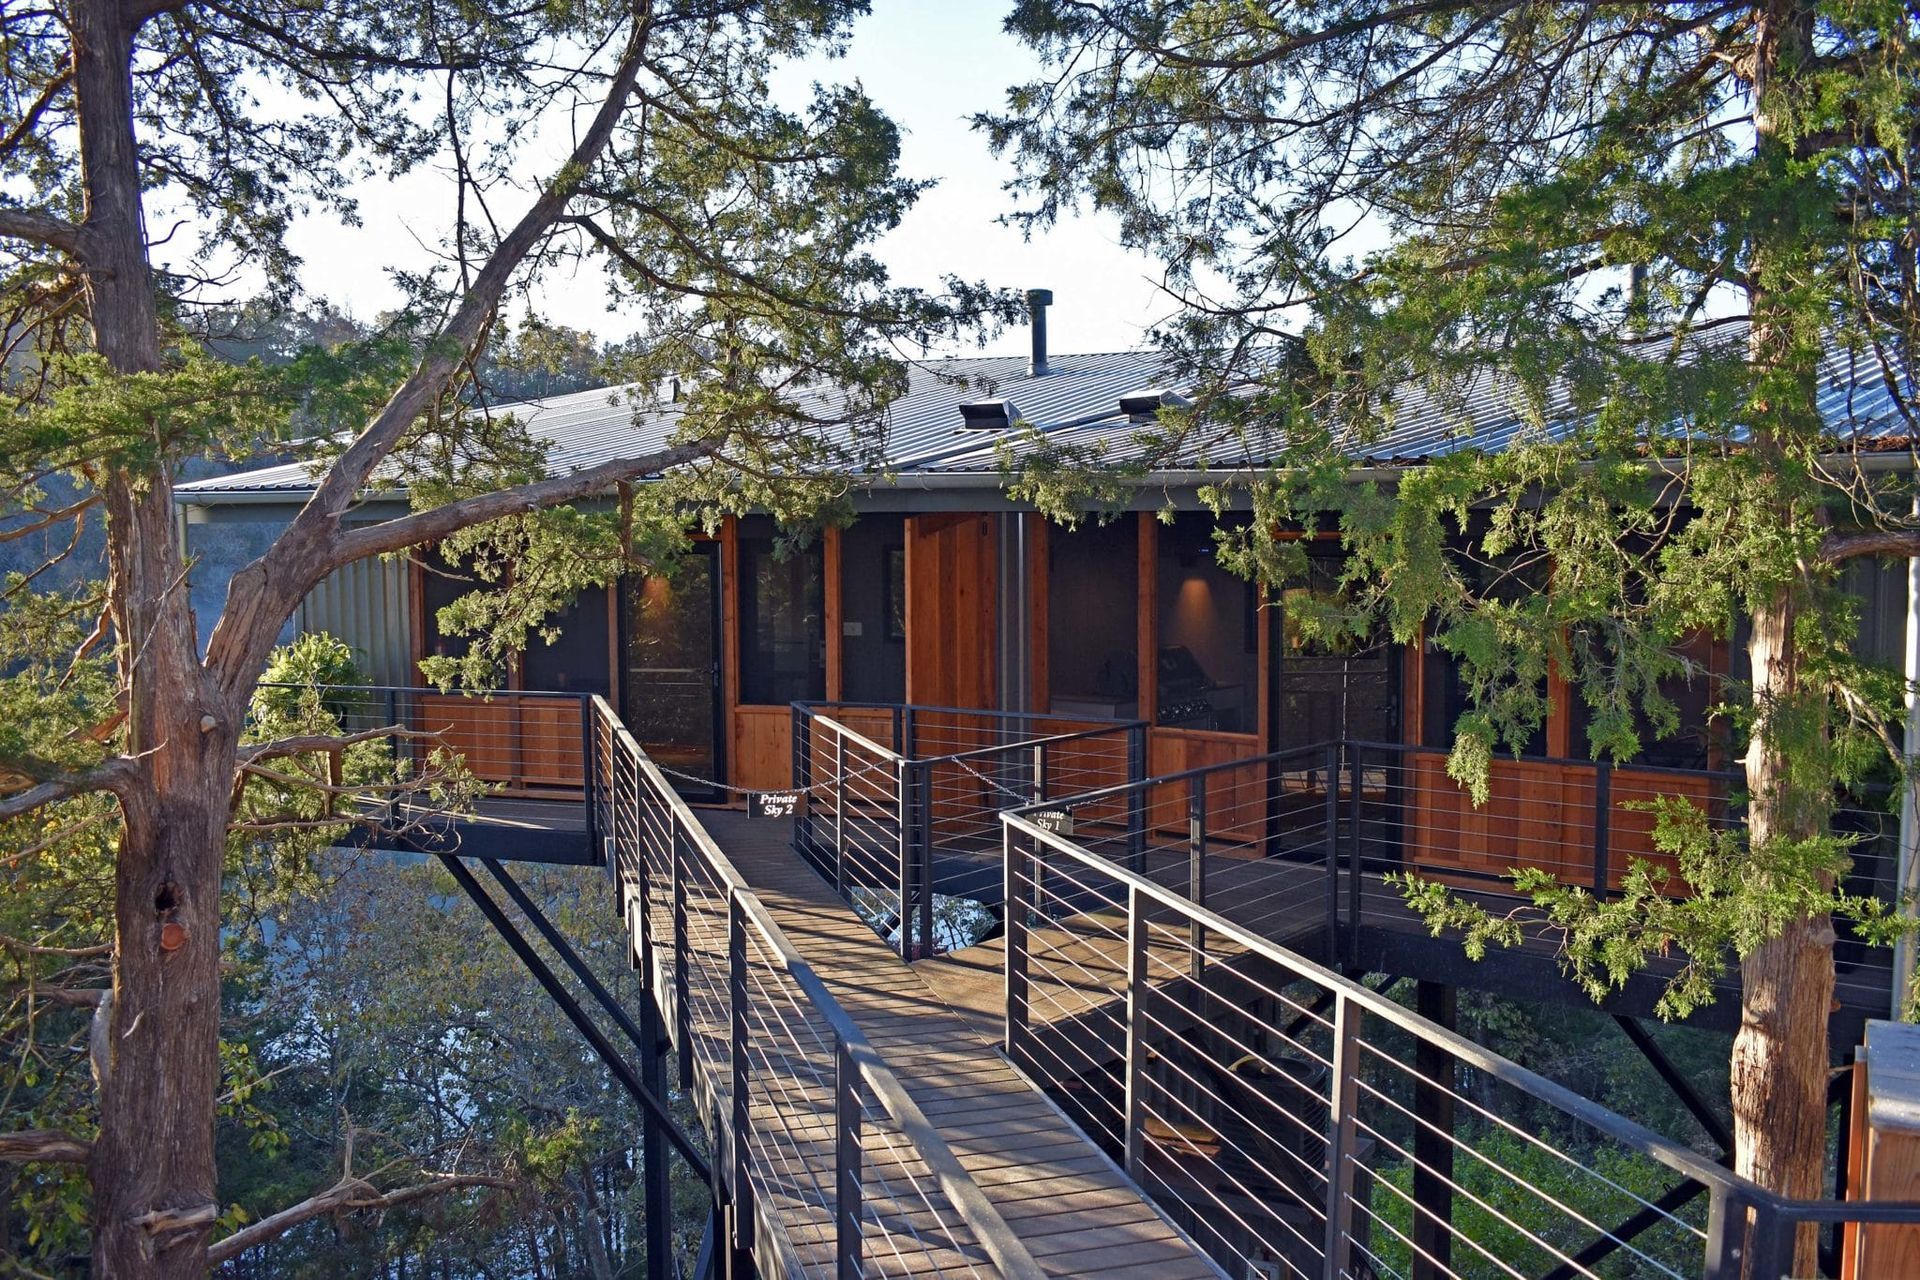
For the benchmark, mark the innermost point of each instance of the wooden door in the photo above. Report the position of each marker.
(952, 625)
(952, 587)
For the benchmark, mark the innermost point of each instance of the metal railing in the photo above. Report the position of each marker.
(1298, 1123)
(482, 771)
(517, 742)
(1296, 845)
(903, 804)
(829, 1162)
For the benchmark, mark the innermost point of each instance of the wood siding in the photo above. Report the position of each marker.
(1537, 814)
(520, 745)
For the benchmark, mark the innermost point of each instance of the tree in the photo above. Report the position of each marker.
(1657, 230)
(735, 227)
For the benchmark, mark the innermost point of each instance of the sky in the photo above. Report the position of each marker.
(929, 65)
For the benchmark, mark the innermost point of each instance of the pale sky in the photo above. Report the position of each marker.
(929, 65)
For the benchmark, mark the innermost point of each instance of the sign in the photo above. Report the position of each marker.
(1058, 821)
(773, 804)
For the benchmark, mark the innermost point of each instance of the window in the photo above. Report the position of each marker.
(440, 585)
(1208, 672)
(873, 648)
(578, 660)
(1093, 608)
(782, 618)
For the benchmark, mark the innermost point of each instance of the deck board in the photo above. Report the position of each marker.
(1077, 1213)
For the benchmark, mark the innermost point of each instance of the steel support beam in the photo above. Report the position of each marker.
(603, 1048)
(1682, 1087)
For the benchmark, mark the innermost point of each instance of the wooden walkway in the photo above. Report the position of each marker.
(1072, 1208)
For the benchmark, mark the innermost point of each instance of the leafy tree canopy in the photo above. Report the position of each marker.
(1674, 244)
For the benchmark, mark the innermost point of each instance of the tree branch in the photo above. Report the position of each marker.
(22, 947)
(345, 1196)
(115, 776)
(429, 526)
(300, 744)
(263, 594)
(43, 228)
(43, 1146)
(1874, 542)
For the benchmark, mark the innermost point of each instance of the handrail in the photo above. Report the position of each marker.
(990, 1230)
(855, 736)
(1767, 1240)
(1628, 1132)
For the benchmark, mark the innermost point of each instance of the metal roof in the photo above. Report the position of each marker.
(1078, 402)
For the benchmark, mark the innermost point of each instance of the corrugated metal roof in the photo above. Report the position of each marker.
(1077, 402)
(1486, 413)
(921, 427)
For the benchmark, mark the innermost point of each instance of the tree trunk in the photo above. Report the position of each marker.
(152, 1166)
(1780, 1056)
(152, 1163)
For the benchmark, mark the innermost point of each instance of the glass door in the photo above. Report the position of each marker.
(671, 699)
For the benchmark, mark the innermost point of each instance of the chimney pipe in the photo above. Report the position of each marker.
(1038, 300)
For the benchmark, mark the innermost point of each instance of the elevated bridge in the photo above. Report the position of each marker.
(1130, 1074)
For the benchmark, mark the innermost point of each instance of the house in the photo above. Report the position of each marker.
(1197, 1023)
(946, 593)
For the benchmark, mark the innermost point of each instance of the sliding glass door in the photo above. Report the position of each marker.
(672, 687)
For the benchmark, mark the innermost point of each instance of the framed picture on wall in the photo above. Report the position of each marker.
(893, 594)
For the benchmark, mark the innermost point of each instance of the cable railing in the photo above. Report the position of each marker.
(1298, 845)
(903, 803)
(516, 742)
(1297, 1123)
(831, 1165)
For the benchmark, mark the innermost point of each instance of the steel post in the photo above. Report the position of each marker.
(1014, 903)
(1133, 1120)
(1330, 839)
(1136, 797)
(741, 1157)
(1343, 1096)
(846, 1163)
(1197, 873)
(840, 813)
(1433, 1141)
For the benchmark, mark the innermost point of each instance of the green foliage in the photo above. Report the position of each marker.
(1502, 1219)
(1651, 244)
(1724, 896)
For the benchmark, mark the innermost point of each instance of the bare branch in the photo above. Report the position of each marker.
(43, 1146)
(115, 776)
(345, 1196)
(22, 947)
(1888, 543)
(301, 744)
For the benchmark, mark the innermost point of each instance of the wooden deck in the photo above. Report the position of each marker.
(1071, 1207)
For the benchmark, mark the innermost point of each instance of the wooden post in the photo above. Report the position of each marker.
(1885, 1149)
